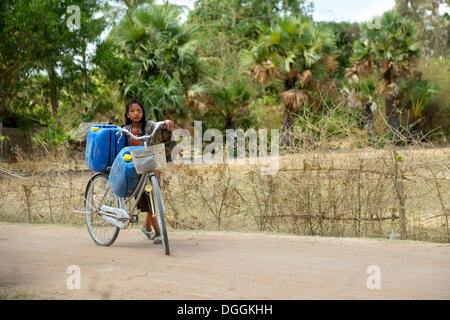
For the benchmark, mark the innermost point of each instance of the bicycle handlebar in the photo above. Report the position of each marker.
(157, 127)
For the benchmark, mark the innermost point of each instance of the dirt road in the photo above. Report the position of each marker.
(216, 265)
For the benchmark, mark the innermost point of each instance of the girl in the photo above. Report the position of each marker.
(136, 123)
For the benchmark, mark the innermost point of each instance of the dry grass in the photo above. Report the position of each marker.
(366, 193)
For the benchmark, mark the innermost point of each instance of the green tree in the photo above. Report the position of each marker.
(129, 6)
(230, 101)
(227, 15)
(346, 33)
(299, 52)
(39, 34)
(163, 55)
(418, 95)
(16, 58)
(360, 93)
(237, 20)
(392, 44)
(433, 28)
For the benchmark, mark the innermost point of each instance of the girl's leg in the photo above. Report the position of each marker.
(148, 223)
(154, 222)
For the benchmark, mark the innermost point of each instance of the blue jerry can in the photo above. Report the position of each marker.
(102, 146)
(123, 177)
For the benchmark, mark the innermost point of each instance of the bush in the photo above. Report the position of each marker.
(268, 111)
(437, 113)
(52, 136)
(334, 127)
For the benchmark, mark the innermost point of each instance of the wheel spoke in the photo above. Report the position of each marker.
(98, 194)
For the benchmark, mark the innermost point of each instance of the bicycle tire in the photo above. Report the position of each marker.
(159, 206)
(110, 231)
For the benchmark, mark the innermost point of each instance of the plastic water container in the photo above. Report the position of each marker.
(102, 146)
(123, 177)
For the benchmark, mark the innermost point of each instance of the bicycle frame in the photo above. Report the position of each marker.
(143, 181)
(115, 210)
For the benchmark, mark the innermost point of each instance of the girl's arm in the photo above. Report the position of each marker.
(151, 125)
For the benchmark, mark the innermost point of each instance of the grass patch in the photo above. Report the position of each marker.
(17, 295)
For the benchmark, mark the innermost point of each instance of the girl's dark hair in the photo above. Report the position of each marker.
(128, 120)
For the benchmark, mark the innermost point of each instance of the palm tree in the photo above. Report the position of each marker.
(360, 93)
(230, 100)
(419, 94)
(132, 5)
(299, 52)
(163, 53)
(128, 6)
(391, 45)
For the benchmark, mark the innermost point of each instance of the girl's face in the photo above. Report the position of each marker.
(135, 112)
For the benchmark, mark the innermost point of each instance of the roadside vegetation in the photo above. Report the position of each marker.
(231, 64)
(376, 90)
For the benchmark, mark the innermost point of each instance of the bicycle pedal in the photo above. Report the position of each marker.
(134, 218)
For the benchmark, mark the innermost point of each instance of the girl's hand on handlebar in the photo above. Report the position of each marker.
(170, 125)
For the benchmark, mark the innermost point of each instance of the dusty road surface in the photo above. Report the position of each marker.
(219, 265)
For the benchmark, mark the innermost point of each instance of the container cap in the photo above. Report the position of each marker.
(127, 157)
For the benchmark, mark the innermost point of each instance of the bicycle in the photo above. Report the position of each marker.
(107, 213)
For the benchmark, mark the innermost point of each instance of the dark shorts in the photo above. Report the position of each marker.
(144, 204)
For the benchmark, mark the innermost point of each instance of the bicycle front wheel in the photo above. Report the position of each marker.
(98, 193)
(159, 208)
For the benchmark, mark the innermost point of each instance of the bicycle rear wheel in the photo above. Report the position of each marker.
(98, 193)
(159, 208)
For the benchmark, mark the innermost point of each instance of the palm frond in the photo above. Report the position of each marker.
(294, 99)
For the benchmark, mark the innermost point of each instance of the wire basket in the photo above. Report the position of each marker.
(142, 158)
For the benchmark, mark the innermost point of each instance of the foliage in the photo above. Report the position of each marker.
(393, 41)
(267, 111)
(419, 94)
(292, 42)
(329, 128)
(51, 136)
(436, 117)
(40, 42)
(388, 47)
(237, 19)
(230, 101)
(163, 55)
(346, 33)
(109, 63)
(54, 77)
(433, 27)
(299, 52)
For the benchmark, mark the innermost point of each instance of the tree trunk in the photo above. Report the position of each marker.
(3, 108)
(229, 123)
(2, 142)
(84, 99)
(369, 123)
(287, 132)
(53, 90)
(415, 132)
(269, 12)
(233, 24)
(401, 6)
(392, 115)
(7, 86)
